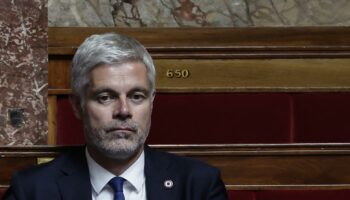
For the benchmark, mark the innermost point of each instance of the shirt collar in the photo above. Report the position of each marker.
(100, 177)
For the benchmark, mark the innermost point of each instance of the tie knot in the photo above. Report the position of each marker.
(117, 184)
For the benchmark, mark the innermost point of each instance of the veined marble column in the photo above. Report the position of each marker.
(23, 72)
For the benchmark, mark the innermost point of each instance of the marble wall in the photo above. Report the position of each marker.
(23, 72)
(198, 13)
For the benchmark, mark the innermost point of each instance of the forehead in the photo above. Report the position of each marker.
(125, 74)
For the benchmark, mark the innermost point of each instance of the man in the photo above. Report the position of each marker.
(113, 87)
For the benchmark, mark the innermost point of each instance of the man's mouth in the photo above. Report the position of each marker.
(121, 129)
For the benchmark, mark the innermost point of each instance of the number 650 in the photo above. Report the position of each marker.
(177, 73)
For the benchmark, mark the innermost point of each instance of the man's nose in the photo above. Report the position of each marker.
(122, 109)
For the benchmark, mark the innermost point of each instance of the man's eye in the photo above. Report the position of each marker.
(104, 98)
(138, 97)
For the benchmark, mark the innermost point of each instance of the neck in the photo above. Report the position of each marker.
(115, 166)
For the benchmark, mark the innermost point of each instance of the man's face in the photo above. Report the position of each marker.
(117, 110)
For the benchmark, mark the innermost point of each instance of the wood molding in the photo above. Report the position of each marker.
(243, 167)
(248, 42)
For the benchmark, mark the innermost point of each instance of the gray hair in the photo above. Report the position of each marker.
(110, 48)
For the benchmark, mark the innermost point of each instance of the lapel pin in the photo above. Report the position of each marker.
(168, 183)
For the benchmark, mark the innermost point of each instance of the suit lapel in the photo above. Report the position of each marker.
(159, 183)
(75, 182)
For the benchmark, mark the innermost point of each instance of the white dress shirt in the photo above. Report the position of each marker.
(134, 187)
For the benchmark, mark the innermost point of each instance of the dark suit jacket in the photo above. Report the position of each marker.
(67, 178)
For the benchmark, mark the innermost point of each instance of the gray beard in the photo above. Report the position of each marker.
(115, 146)
(118, 154)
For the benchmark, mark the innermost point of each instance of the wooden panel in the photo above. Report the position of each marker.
(52, 111)
(247, 167)
(14, 158)
(261, 42)
(2, 190)
(177, 49)
(59, 72)
(256, 75)
(268, 171)
(10, 165)
(234, 75)
(255, 167)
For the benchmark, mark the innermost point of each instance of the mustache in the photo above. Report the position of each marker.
(117, 124)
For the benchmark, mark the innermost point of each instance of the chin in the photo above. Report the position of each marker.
(120, 151)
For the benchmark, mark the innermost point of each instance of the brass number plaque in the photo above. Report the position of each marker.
(177, 73)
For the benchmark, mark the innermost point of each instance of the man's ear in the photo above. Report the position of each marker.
(153, 95)
(76, 105)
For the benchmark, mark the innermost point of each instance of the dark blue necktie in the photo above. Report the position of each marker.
(117, 184)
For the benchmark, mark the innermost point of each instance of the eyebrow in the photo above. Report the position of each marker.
(111, 91)
(102, 90)
(140, 89)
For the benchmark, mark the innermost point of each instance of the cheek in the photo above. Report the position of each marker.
(144, 115)
(97, 115)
